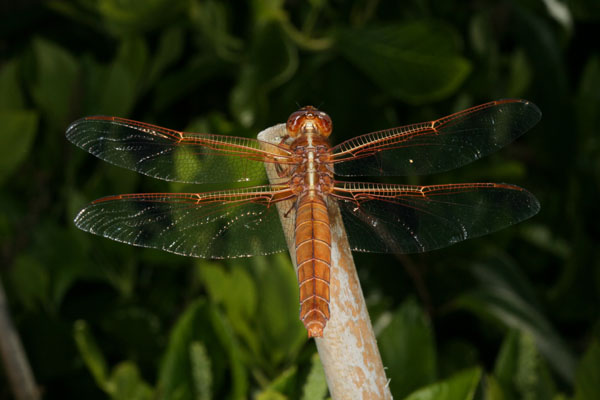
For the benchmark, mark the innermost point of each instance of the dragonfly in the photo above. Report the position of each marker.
(244, 221)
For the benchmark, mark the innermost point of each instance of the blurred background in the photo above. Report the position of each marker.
(512, 315)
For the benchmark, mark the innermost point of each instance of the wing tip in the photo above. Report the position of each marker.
(535, 206)
(533, 203)
(74, 128)
(526, 103)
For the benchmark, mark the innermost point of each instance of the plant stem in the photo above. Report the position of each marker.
(348, 348)
(14, 360)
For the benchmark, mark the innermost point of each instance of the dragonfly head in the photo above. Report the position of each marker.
(309, 120)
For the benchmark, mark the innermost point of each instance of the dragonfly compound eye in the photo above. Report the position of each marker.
(324, 123)
(295, 122)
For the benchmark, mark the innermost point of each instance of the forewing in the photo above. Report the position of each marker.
(439, 145)
(413, 219)
(224, 224)
(172, 155)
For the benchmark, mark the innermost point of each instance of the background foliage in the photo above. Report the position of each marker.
(513, 315)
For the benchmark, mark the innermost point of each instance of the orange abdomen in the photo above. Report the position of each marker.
(313, 262)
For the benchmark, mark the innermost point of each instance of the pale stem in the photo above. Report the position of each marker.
(348, 348)
(14, 360)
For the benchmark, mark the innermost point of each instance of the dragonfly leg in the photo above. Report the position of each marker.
(287, 213)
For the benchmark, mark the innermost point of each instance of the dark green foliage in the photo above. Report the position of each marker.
(408, 349)
(512, 315)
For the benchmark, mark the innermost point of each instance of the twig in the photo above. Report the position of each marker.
(14, 360)
(348, 349)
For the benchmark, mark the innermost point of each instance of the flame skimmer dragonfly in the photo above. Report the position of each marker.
(241, 222)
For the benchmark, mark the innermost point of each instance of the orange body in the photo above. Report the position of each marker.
(313, 261)
(312, 180)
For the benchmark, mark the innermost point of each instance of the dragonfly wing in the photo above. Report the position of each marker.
(439, 145)
(386, 218)
(172, 155)
(224, 224)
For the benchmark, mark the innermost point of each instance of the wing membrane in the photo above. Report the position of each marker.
(386, 218)
(223, 224)
(439, 145)
(174, 156)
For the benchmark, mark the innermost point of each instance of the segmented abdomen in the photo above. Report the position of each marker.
(313, 262)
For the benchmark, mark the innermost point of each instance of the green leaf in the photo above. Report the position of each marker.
(506, 363)
(417, 62)
(201, 372)
(543, 237)
(239, 380)
(461, 386)
(215, 280)
(30, 281)
(274, 57)
(284, 384)
(91, 354)
(532, 379)
(588, 375)
(174, 374)
(273, 61)
(588, 118)
(142, 15)
(11, 96)
(210, 19)
(520, 370)
(482, 39)
(113, 89)
(315, 387)
(235, 290)
(271, 395)
(119, 89)
(241, 299)
(133, 55)
(408, 350)
(53, 88)
(64, 253)
(279, 327)
(585, 10)
(493, 390)
(170, 49)
(537, 37)
(247, 101)
(200, 323)
(184, 80)
(125, 383)
(286, 381)
(110, 90)
(123, 18)
(265, 11)
(456, 354)
(520, 75)
(246, 307)
(17, 134)
(505, 295)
